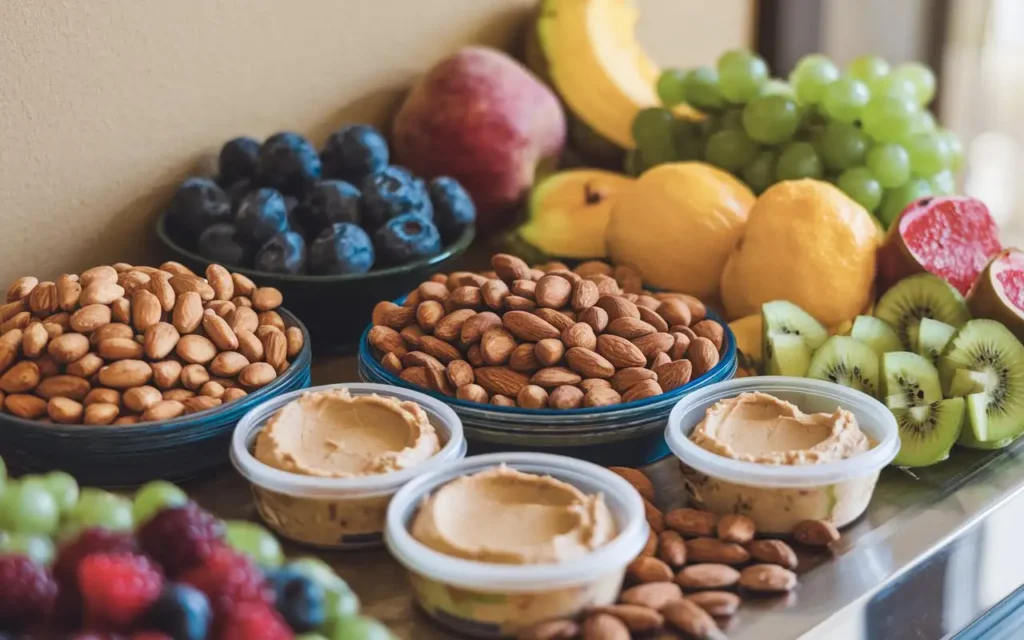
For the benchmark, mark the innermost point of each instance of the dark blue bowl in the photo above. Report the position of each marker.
(176, 450)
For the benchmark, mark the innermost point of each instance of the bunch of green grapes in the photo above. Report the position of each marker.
(866, 129)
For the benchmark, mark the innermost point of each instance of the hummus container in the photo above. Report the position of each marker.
(777, 497)
(488, 600)
(336, 513)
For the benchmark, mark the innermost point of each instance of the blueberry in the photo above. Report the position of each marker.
(261, 214)
(288, 163)
(329, 201)
(238, 191)
(391, 193)
(218, 244)
(197, 204)
(299, 599)
(354, 152)
(181, 611)
(453, 208)
(284, 253)
(405, 238)
(339, 249)
(238, 159)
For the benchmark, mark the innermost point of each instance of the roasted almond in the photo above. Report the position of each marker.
(703, 355)
(194, 376)
(166, 374)
(160, 340)
(63, 385)
(494, 292)
(596, 317)
(716, 551)
(707, 576)
(112, 330)
(220, 280)
(432, 291)
(25, 405)
(415, 375)
(100, 413)
(589, 364)
(691, 523)
(296, 340)
(18, 321)
(184, 283)
(228, 364)
(221, 307)
(138, 399)
(243, 285)
(560, 320)
(528, 327)
(125, 374)
(195, 349)
(580, 335)
(11, 309)
(815, 533)
(450, 327)
(635, 477)
(509, 267)
(20, 288)
(641, 391)
(65, 410)
(220, 333)
(601, 397)
(89, 318)
(200, 403)
(673, 375)
(256, 375)
(474, 355)
(736, 527)
(146, 310)
(773, 552)
(212, 389)
(499, 400)
(384, 339)
(85, 366)
(428, 314)
(178, 395)
(102, 395)
(437, 348)
(162, 290)
(98, 293)
(653, 595)
(646, 569)
(460, 373)
(188, 312)
(119, 349)
(22, 377)
(619, 352)
(671, 548)
(475, 326)
(501, 380)
(618, 307)
(523, 358)
(43, 299)
(163, 410)
(767, 578)
(34, 339)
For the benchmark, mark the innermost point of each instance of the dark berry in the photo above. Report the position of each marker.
(238, 159)
(228, 579)
(219, 244)
(329, 201)
(354, 152)
(28, 592)
(180, 537)
(261, 214)
(197, 204)
(89, 541)
(391, 193)
(406, 238)
(299, 599)
(117, 588)
(284, 253)
(238, 191)
(288, 163)
(339, 249)
(453, 208)
(182, 611)
(253, 621)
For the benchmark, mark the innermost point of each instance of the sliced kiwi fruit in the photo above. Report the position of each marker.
(846, 361)
(909, 380)
(790, 355)
(967, 439)
(928, 432)
(932, 338)
(784, 317)
(876, 333)
(921, 296)
(986, 362)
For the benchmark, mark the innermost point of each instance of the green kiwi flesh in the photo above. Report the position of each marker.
(846, 361)
(928, 432)
(932, 338)
(922, 295)
(784, 317)
(909, 380)
(876, 333)
(790, 355)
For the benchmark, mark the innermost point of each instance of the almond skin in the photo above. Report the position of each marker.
(653, 595)
(773, 552)
(767, 578)
(691, 523)
(528, 327)
(552, 292)
(646, 569)
(620, 352)
(589, 364)
(501, 380)
(638, 479)
(707, 576)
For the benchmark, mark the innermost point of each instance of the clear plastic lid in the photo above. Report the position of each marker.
(448, 424)
(622, 499)
(812, 396)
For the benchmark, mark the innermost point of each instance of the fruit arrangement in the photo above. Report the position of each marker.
(280, 207)
(564, 339)
(84, 562)
(126, 344)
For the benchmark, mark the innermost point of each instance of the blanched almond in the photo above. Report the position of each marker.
(119, 349)
(99, 293)
(221, 282)
(22, 377)
(146, 310)
(101, 413)
(266, 299)
(63, 386)
(25, 405)
(194, 376)
(85, 366)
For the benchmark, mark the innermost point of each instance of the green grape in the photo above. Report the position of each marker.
(254, 541)
(844, 99)
(97, 508)
(357, 628)
(890, 164)
(318, 571)
(924, 122)
(340, 603)
(776, 87)
(889, 119)
(26, 506)
(686, 134)
(955, 147)
(760, 174)
(37, 548)
(810, 77)
(869, 69)
(740, 75)
(771, 119)
(943, 183)
(711, 124)
(731, 119)
(920, 77)
(652, 130)
(311, 636)
(155, 497)
(928, 154)
(734, 56)
(3, 475)
(730, 149)
(671, 87)
(702, 90)
(860, 185)
(843, 145)
(64, 489)
(798, 160)
(896, 200)
(896, 87)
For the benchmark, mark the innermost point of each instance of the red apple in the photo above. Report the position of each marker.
(999, 293)
(952, 236)
(484, 119)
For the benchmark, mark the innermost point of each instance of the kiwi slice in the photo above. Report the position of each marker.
(986, 361)
(846, 361)
(784, 317)
(790, 355)
(928, 432)
(921, 296)
(909, 380)
(968, 440)
(932, 337)
(876, 333)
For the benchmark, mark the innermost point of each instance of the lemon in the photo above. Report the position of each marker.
(807, 242)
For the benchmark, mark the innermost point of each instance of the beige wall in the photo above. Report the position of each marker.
(105, 104)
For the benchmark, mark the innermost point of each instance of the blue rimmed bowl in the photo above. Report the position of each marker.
(178, 449)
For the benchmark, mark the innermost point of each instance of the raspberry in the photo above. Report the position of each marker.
(254, 621)
(27, 591)
(117, 588)
(90, 541)
(151, 635)
(180, 538)
(228, 579)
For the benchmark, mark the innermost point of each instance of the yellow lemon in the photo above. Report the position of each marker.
(806, 242)
(676, 225)
(748, 337)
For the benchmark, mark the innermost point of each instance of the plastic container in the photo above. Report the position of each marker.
(778, 497)
(628, 434)
(335, 513)
(486, 600)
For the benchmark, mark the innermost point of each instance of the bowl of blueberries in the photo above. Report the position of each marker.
(335, 231)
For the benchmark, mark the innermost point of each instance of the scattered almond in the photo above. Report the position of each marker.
(815, 533)
(689, 618)
(707, 576)
(773, 552)
(691, 523)
(648, 569)
(736, 527)
(671, 548)
(767, 578)
(653, 595)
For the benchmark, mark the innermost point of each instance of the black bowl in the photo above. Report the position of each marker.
(335, 309)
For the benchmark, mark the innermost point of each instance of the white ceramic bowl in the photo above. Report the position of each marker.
(335, 513)
(778, 497)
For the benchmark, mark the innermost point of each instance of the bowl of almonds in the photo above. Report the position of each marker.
(124, 374)
(584, 362)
